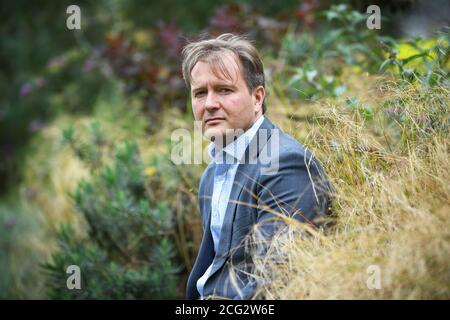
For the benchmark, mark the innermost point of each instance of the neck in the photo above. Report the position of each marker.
(223, 141)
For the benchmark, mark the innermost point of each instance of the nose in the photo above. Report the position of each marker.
(211, 102)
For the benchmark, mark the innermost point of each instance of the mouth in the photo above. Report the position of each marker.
(212, 121)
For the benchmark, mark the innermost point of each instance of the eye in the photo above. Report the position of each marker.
(225, 90)
(199, 94)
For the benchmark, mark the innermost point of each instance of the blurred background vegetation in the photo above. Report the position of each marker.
(86, 117)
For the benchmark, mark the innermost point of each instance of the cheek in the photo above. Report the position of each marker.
(237, 104)
(197, 109)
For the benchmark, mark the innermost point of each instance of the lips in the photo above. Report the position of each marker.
(214, 120)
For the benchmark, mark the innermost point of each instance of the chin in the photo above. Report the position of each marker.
(217, 131)
(213, 132)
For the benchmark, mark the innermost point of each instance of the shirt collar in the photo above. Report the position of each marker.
(236, 149)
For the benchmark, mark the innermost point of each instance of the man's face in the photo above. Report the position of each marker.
(221, 103)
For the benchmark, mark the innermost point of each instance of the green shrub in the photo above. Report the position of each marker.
(128, 252)
(426, 61)
(314, 62)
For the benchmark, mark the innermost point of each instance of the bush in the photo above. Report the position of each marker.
(426, 61)
(128, 252)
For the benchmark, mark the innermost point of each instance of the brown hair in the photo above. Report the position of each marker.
(211, 50)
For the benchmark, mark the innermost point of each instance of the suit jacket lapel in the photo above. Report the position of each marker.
(206, 196)
(243, 170)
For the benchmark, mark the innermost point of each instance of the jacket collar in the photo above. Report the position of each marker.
(235, 150)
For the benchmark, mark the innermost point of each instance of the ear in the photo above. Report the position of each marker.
(259, 93)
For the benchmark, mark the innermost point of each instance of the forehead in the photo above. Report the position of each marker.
(218, 66)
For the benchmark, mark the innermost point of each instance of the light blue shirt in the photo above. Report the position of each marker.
(226, 162)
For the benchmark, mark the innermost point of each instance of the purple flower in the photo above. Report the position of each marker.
(25, 89)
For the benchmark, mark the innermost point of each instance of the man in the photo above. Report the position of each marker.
(258, 172)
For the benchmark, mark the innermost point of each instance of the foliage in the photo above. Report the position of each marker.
(22, 232)
(391, 204)
(41, 73)
(426, 61)
(313, 62)
(385, 147)
(128, 253)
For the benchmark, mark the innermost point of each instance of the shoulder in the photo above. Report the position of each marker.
(287, 151)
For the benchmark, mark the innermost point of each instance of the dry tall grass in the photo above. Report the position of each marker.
(392, 209)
